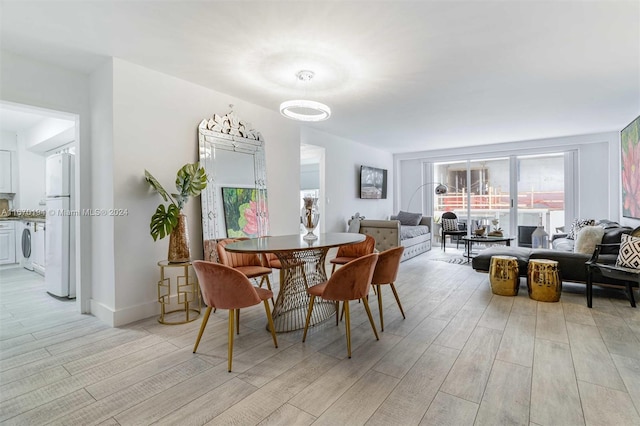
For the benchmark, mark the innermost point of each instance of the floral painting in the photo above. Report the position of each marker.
(240, 212)
(630, 149)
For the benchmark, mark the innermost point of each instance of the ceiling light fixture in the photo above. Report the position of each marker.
(305, 110)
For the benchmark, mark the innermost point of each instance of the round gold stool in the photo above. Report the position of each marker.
(543, 280)
(503, 275)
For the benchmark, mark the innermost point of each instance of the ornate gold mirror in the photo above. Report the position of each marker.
(234, 203)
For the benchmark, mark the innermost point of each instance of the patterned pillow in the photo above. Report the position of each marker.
(449, 224)
(629, 255)
(577, 225)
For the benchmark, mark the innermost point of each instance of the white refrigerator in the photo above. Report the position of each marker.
(59, 184)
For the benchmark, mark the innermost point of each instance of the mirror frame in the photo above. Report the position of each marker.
(229, 133)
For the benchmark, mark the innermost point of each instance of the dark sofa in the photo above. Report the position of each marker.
(572, 265)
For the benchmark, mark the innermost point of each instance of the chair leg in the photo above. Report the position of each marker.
(333, 268)
(230, 343)
(373, 326)
(395, 293)
(337, 309)
(272, 326)
(237, 321)
(631, 297)
(306, 323)
(380, 306)
(589, 287)
(205, 319)
(347, 326)
(266, 277)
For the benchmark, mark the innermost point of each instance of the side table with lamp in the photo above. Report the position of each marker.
(184, 291)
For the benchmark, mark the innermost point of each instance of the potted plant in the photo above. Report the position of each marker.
(191, 179)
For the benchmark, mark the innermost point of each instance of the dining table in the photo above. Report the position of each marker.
(303, 266)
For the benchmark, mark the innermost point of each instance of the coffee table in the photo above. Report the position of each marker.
(469, 240)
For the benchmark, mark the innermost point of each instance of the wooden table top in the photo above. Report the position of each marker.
(284, 243)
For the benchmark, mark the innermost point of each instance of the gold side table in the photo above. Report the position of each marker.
(185, 292)
(543, 280)
(503, 275)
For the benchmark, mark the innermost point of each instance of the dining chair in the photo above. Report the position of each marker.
(350, 252)
(351, 282)
(227, 288)
(249, 264)
(385, 273)
(452, 227)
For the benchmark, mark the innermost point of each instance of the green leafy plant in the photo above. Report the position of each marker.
(191, 179)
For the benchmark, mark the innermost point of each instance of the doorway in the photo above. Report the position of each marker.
(31, 135)
(312, 173)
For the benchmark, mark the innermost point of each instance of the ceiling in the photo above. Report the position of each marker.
(399, 76)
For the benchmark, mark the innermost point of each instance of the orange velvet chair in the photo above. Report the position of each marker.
(353, 251)
(351, 282)
(247, 263)
(385, 273)
(226, 288)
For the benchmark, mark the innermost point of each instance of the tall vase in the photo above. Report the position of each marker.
(179, 242)
(309, 216)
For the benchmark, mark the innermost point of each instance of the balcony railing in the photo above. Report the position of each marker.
(549, 200)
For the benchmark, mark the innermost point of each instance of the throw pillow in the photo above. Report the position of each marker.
(587, 239)
(409, 219)
(577, 225)
(449, 224)
(629, 255)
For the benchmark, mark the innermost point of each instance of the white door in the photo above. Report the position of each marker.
(7, 246)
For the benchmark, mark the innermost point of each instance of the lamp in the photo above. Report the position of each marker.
(305, 110)
(440, 189)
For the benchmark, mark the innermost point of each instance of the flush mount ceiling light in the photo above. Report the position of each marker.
(305, 110)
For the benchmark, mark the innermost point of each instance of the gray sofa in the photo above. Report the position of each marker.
(572, 265)
(389, 233)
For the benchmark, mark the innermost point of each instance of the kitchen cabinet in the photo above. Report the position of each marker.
(6, 171)
(38, 248)
(7, 243)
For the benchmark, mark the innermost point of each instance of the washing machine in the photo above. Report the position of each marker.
(25, 244)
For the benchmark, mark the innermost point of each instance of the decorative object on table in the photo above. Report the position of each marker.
(299, 109)
(503, 275)
(497, 231)
(543, 280)
(241, 207)
(479, 232)
(539, 237)
(191, 179)
(309, 216)
(630, 173)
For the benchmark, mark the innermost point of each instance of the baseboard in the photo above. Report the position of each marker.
(124, 316)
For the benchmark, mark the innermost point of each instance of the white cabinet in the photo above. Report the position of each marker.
(6, 171)
(7, 243)
(38, 248)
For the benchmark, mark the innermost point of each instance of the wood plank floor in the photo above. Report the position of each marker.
(462, 356)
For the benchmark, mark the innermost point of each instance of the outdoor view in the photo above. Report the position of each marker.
(485, 199)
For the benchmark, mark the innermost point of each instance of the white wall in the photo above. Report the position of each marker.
(28, 82)
(155, 120)
(343, 158)
(8, 141)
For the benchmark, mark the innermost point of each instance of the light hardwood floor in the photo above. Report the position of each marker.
(462, 356)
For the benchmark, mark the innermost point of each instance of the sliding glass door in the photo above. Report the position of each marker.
(504, 192)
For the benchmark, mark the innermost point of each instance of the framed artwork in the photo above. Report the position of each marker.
(373, 183)
(630, 169)
(240, 212)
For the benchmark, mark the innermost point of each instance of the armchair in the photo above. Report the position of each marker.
(627, 276)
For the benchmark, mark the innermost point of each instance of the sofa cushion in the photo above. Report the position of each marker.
(629, 255)
(563, 244)
(409, 219)
(587, 239)
(407, 232)
(577, 225)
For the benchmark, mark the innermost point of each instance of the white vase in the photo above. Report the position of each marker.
(539, 238)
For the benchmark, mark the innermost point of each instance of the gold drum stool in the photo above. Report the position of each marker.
(543, 280)
(503, 275)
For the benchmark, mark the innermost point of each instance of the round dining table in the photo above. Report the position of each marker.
(303, 266)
